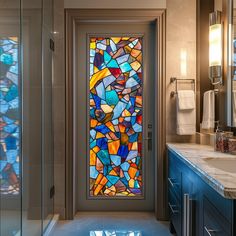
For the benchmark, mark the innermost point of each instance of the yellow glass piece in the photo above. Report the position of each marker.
(92, 45)
(126, 113)
(92, 158)
(116, 39)
(14, 39)
(112, 172)
(95, 69)
(131, 183)
(113, 146)
(135, 146)
(110, 126)
(99, 135)
(135, 65)
(99, 76)
(106, 108)
(99, 178)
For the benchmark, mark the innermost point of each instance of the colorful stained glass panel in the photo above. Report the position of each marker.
(9, 116)
(116, 116)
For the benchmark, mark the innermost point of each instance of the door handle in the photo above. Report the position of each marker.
(210, 231)
(149, 140)
(187, 222)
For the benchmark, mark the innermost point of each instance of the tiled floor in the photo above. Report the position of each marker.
(112, 224)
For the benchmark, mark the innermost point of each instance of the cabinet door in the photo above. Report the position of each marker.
(214, 223)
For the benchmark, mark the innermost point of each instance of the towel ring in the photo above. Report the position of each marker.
(174, 79)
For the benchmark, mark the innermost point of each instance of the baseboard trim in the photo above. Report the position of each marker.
(51, 225)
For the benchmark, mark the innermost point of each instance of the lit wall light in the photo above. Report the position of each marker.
(183, 63)
(215, 47)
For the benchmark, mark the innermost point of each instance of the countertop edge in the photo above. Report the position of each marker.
(227, 193)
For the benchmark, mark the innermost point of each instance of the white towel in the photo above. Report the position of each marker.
(186, 118)
(186, 99)
(208, 119)
(234, 108)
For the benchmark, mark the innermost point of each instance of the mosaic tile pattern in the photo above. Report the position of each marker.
(9, 116)
(115, 116)
(115, 233)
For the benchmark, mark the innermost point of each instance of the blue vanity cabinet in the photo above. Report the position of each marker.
(196, 209)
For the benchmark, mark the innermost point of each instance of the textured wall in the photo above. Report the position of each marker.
(181, 56)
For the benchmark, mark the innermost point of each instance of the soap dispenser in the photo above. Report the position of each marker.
(219, 138)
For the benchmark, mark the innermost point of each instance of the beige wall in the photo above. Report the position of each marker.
(181, 37)
(180, 42)
(115, 4)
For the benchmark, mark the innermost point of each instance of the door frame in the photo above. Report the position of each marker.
(158, 16)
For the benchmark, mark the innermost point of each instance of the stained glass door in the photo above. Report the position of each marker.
(113, 88)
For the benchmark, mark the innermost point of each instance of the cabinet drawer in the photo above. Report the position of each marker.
(174, 176)
(175, 212)
(214, 223)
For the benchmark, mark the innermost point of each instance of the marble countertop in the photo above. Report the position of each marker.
(202, 159)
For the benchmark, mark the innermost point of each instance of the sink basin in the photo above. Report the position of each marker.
(228, 165)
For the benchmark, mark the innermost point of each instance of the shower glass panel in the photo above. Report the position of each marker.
(10, 118)
(26, 121)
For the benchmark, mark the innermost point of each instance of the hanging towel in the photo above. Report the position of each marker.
(208, 119)
(186, 99)
(186, 118)
(234, 108)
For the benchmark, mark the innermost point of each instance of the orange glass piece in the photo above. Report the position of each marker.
(113, 146)
(92, 158)
(135, 65)
(135, 52)
(132, 172)
(93, 123)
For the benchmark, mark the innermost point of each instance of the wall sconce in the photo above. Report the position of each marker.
(215, 48)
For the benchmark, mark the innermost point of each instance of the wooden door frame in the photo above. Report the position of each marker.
(73, 16)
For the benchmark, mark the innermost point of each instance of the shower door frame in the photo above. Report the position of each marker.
(158, 16)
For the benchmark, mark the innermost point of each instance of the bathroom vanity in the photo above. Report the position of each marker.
(201, 190)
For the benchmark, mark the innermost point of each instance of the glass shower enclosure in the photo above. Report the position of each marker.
(26, 120)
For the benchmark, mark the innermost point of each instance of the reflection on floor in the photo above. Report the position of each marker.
(115, 233)
(112, 224)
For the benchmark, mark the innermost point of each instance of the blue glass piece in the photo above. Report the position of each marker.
(107, 57)
(14, 69)
(2, 164)
(6, 59)
(12, 77)
(116, 159)
(108, 80)
(11, 156)
(131, 155)
(115, 122)
(123, 151)
(105, 171)
(104, 157)
(136, 184)
(126, 175)
(125, 67)
(10, 128)
(131, 82)
(122, 59)
(92, 52)
(101, 46)
(137, 128)
(15, 54)
(98, 60)
(113, 46)
(7, 120)
(113, 179)
(112, 98)
(92, 113)
(102, 143)
(112, 64)
(91, 69)
(93, 144)
(133, 120)
(93, 133)
(93, 172)
(102, 128)
(124, 181)
(101, 91)
(133, 138)
(12, 93)
(4, 107)
(16, 168)
(108, 184)
(119, 108)
(97, 101)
